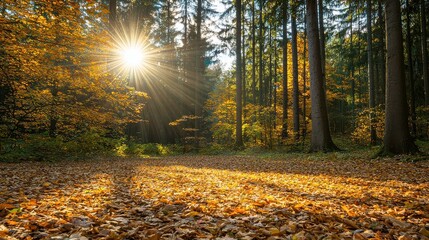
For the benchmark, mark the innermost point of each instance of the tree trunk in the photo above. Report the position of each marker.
(239, 91)
(352, 68)
(198, 75)
(411, 72)
(382, 54)
(112, 14)
(185, 59)
(253, 54)
(373, 134)
(261, 52)
(304, 82)
(270, 68)
(424, 51)
(322, 42)
(285, 95)
(320, 136)
(397, 138)
(275, 85)
(243, 50)
(295, 73)
(169, 40)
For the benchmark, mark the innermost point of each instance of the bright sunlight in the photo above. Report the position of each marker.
(132, 57)
(131, 51)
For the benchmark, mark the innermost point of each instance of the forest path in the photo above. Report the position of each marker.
(215, 197)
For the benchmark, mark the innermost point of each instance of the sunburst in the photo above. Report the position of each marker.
(131, 52)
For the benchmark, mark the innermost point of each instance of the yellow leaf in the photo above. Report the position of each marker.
(349, 212)
(274, 231)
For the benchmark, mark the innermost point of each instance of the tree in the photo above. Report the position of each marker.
(198, 72)
(57, 83)
(397, 138)
(253, 53)
(424, 51)
(261, 52)
(295, 73)
(239, 91)
(284, 77)
(322, 40)
(112, 14)
(411, 71)
(320, 136)
(371, 85)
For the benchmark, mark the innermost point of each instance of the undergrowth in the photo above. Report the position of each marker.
(40, 147)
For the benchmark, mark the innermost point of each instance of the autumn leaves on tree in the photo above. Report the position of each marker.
(53, 71)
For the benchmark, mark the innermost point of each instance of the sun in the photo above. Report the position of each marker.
(132, 57)
(131, 53)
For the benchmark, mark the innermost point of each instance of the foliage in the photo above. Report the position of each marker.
(53, 59)
(92, 144)
(145, 150)
(41, 147)
(191, 197)
(361, 132)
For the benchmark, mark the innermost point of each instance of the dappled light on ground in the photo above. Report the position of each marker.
(215, 198)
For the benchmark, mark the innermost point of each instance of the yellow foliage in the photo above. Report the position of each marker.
(53, 61)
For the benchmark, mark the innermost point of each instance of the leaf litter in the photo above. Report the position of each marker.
(215, 197)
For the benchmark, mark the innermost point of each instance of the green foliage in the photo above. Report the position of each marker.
(150, 149)
(217, 149)
(41, 147)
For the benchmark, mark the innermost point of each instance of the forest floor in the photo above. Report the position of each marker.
(216, 197)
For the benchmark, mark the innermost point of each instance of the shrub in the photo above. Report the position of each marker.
(42, 147)
(361, 133)
(148, 149)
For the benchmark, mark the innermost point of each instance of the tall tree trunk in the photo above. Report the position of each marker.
(238, 126)
(424, 51)
(261, 52)
(185, 59)
(112, 14)
(285, 87)
(168, 23)
(397, 138)
(198, 75)
(275, 83)
(295, 72)
(373, 134)
(411, 72)
(352, 68)
(322, 42)
(270, 63)
(253, 53)
(320, 136)
(304, 82)
(243, 50)
(382, 54)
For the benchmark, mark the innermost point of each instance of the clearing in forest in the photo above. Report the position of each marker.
(215, 197)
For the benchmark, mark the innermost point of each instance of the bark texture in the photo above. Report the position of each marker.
(397, 138)
(295, 73)
(371, 85)
(285, 95)
(320, 136)
(239, 91)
